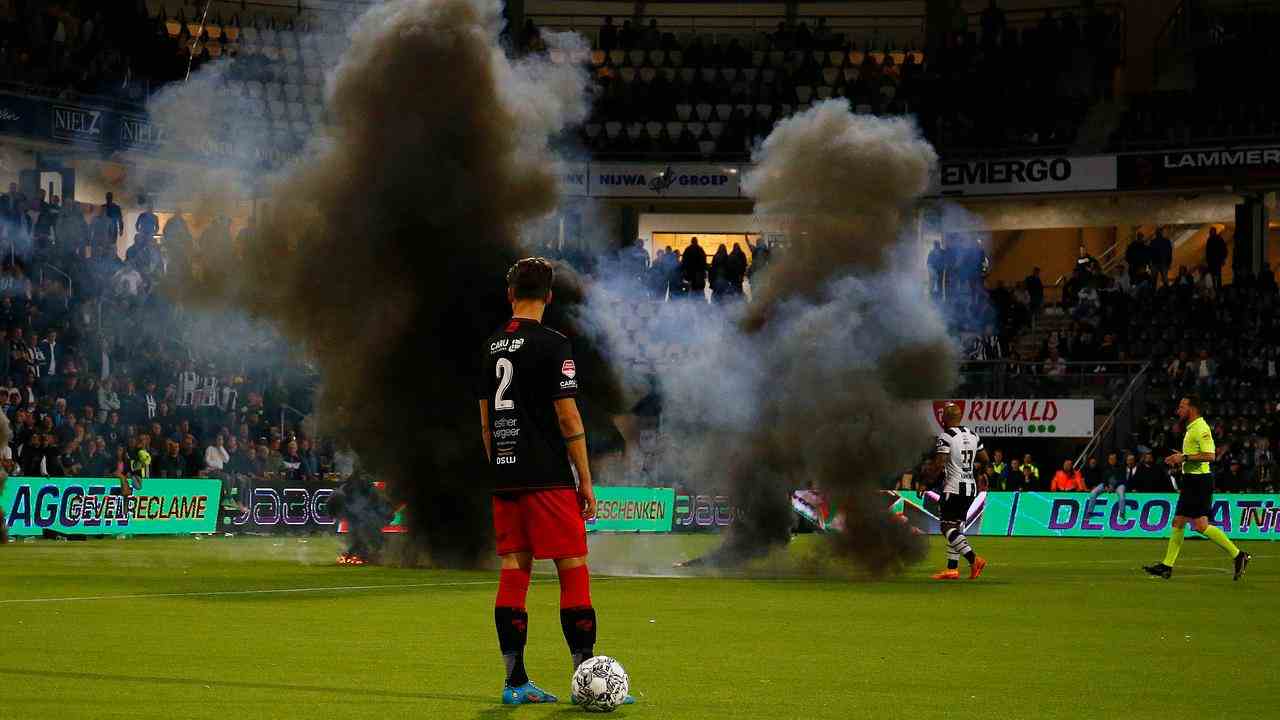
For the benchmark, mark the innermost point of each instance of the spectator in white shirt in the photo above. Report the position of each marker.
(216, 455)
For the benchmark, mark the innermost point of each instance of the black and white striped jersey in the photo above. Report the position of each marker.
(961, 446)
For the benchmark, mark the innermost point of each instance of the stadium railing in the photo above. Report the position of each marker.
(1102, 380)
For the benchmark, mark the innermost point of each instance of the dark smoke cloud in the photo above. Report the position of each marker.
(383, 249)
(813, 381)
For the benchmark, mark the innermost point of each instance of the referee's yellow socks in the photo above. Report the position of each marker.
(1175, 546)
(1219, 538)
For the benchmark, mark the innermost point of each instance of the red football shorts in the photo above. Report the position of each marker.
(547, 523)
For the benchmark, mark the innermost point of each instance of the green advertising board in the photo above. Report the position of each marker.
(627, 509)
(95, 506)
(1146, 515)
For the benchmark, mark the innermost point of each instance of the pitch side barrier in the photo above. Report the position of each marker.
(1041, 514)
(98, 506)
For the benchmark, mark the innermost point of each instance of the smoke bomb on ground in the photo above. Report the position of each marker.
(815, 380)
(383, 249)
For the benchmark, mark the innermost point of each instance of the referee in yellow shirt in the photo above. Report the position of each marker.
(1195, 492)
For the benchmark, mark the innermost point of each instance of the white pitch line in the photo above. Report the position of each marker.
(344, 588)
(217, 593)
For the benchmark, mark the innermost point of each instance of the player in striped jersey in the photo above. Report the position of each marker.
(957, 453)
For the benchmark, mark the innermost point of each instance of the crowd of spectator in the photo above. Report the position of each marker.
(1194, 332)
(101, 376)
(672, 274)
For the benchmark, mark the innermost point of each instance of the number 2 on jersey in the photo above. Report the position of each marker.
(506, 373)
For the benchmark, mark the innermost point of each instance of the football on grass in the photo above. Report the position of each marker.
(600, 684)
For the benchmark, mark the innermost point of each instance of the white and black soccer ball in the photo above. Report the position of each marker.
(600, 684)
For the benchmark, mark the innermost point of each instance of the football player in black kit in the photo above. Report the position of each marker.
(537, 453)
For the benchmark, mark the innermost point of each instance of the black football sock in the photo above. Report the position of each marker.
(953, 563)
(513, 631)
(579, 626)
(970, 556)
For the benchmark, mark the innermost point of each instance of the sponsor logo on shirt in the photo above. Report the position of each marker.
(567, 384)
(568, 370)
(516, 344)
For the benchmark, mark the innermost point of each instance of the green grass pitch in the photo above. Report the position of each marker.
(270, 628)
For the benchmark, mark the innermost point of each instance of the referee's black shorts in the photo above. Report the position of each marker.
(1195, 495)
(955, 507)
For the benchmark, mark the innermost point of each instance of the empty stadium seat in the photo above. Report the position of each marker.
(658, 57)
(716, 129)
(628, 74)
(687, 74)
(669, 73)
(824, 92)
(634, 130)
(654, 129)
(819, 56)
(776, 58)
(674, 129)
(744, 108)
(835, 58)
(729, 74)
(296, 110)
(636, 57)
(750, 74)
(647, 74)
(612, 129)
(617, 57)
(274, 91)
(708, 74)
(684, 111)
(707, 147)
(757, 58)
(593, 130)
(851, 75)
(255, 89)
(724, 111)
(803, 93)
(830, 75)
(292, 92)
(764, 111)
(277, 108)
(768, 75)
(704, 111)
(696, 128)
(676, 57)
(784, 109)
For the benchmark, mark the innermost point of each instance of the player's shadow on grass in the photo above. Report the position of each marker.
(239, 684)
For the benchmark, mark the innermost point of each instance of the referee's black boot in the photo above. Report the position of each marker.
(1159, 570)
(1242, 562)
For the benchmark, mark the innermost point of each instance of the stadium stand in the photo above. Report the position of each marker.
(675, 88)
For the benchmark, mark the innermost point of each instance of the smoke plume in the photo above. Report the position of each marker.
(813, 381)
(383, 248)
